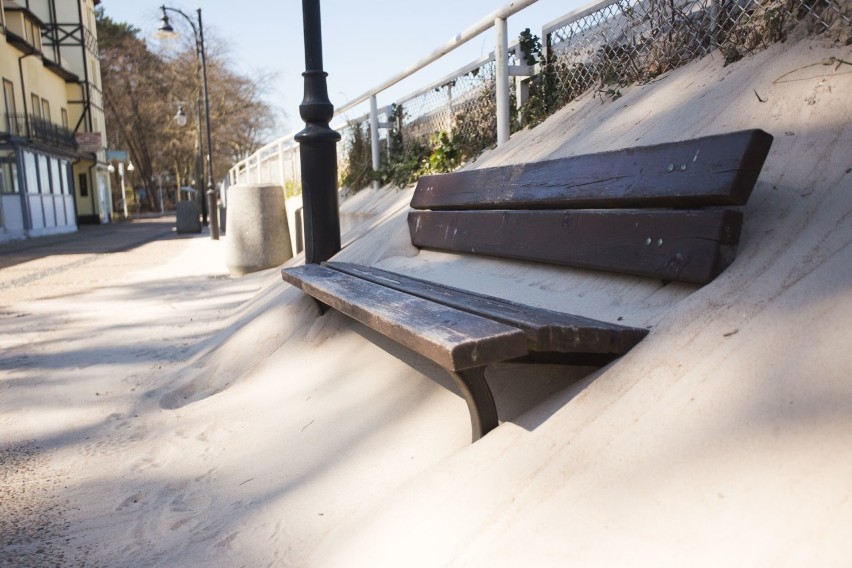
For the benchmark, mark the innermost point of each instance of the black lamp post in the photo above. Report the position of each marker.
(167, 31)
(317, 144)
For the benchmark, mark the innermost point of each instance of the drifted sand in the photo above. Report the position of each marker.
(183, 418)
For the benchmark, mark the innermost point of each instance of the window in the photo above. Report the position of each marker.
(45, 109)
(84, 186)
(56, 176)
(64, 112)
(36, 103)
(44, 174)
(30, 172)
(63, 177)
(8, 175)
(9, 95)
(33, 33)
(9, 100)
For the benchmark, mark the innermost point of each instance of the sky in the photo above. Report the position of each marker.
(365, 42)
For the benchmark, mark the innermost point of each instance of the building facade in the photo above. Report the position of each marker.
(53, 172)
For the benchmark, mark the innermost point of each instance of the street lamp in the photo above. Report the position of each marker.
(180, 117)
(166, 31)
(318, 148)
(130, 168)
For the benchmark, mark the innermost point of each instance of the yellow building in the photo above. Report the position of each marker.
(52, 137)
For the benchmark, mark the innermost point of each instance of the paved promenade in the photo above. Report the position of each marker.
(62, 265)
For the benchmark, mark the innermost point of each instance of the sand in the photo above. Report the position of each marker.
(185, 418)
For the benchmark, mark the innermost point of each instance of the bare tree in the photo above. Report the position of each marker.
(143, 90)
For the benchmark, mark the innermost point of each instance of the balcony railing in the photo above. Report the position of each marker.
(37, 129)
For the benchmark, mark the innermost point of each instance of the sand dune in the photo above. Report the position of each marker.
(184, 420)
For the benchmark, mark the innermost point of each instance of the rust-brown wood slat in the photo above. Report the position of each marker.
(713, 170)
(545, 330)
(451, 338)
(683, 245)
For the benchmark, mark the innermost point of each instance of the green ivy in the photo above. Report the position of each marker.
(359, 169)
(446, 154)
(530, 47)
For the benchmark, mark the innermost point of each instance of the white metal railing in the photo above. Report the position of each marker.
(604, 42)
(267, 165)
(574, 16)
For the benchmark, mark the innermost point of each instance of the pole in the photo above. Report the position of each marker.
(211, 191)
(123, 189)
(281, 172)
(459, 39)
(318, 150)
(374, 138)
(201, 53)
(501, 56)
(199, 164)
(160, 185)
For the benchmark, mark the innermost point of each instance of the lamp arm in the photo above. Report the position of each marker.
(185, 17)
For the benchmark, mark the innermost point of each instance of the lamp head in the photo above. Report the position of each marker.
(130, 167)
(180, 117)
(165, 31)
(111, 169)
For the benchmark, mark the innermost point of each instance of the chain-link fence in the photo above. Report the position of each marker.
(457, 111)
(354, 161)
(627, 41)
(462, 107)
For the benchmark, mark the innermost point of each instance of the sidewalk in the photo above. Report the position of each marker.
(66, 264)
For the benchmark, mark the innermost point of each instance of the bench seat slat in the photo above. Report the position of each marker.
(713, 170)
(687, 246)
(546, 330)
(454, 339)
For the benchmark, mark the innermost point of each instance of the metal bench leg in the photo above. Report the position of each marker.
(480, 401)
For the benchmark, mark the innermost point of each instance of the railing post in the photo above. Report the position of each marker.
(452, 113)
(318, 151)
(502, 62)
(281, 171)
(374, 137)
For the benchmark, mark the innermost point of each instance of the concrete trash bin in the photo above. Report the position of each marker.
(258, 235)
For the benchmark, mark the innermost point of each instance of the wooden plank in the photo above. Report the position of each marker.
(714, 170)
(451, 338)
(546, 330)
(688, 246)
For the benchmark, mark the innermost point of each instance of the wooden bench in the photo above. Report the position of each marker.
(657, 211)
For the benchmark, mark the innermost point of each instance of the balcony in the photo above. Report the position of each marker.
(36, 129)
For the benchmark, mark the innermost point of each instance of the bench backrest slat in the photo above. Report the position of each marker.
(684, 245)
(713, 170)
